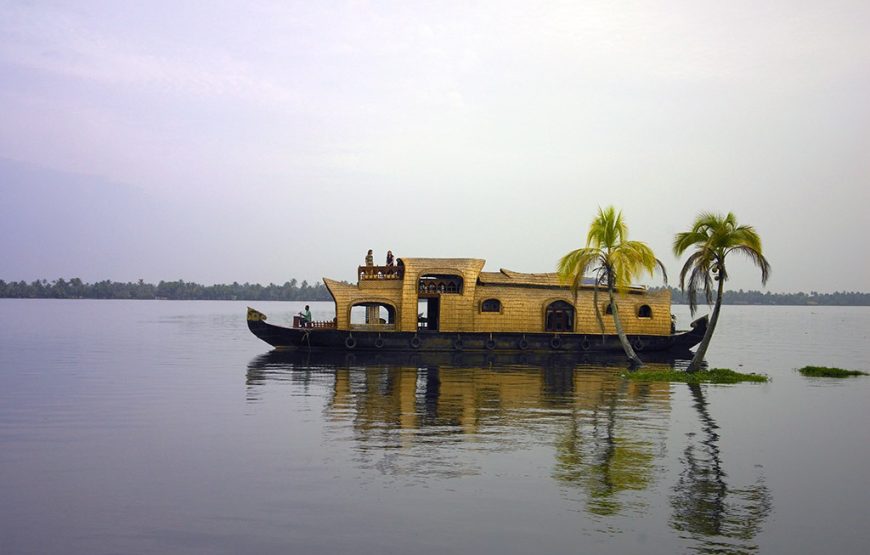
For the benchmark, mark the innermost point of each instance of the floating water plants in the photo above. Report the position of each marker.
(826, 372)
(715, 375)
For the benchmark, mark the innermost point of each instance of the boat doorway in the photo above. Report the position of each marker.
(428, 313)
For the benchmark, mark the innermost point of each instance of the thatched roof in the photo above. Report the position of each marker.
(509, 277)
(458, 264)
(550, 279)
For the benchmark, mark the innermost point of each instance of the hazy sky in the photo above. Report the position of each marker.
(259, 141)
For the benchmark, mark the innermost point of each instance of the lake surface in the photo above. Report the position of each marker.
(166, 427)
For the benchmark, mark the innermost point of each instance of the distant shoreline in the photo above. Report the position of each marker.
(291, 290)
(179, 290)
(758, 298)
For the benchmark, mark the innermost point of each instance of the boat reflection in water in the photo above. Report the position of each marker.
(603, 438)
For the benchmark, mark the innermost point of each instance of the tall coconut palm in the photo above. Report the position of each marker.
(614, 262)
(714, 236)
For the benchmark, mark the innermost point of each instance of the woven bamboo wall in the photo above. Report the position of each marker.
(457, 310)
(523, 310)
(380, 291)
(523, 297)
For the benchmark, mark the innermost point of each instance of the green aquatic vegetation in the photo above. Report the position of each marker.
(826, 372)
(715, 375)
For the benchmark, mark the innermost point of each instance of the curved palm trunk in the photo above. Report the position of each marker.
(695, 365)
(626, 346)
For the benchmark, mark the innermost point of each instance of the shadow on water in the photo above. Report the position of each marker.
(437, 415)
(720, 518)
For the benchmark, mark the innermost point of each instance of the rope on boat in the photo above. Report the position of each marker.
(306, 339)
(638, 344)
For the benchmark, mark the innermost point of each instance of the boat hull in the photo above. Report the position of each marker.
(332, 340)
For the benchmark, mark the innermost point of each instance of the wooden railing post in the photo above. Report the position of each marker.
(380, 272)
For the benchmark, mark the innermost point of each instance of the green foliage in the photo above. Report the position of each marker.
(609, 255)
(826, 372)
(172, 290)
(712, 238)
(614, 262)
(715, 375)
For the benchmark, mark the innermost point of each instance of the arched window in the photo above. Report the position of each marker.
(644, 311)
(490, 305)
(559, 317)
(607, 309)
(437, 284)
(372, 313)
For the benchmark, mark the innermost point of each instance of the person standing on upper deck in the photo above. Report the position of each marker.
(390, 272)
(370, 259)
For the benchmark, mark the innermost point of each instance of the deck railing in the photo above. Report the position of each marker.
(298, 322)
(380, 272)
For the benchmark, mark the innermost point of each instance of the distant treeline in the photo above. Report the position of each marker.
(75, 288)
(838, 298)
(291, 290)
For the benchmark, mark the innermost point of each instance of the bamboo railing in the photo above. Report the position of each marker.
(299, 322)
(380, 272)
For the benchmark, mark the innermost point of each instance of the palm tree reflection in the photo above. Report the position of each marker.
(604, 457)
(720, 518)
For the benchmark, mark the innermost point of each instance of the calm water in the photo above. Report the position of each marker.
(165, 427)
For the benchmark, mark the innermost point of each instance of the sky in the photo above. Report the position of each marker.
(263, 141)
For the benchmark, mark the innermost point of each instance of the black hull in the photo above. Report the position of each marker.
(331, 340)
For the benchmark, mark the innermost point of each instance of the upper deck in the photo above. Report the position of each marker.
(374, 273)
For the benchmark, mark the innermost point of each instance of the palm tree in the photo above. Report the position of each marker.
(614, 261)
(713, 237)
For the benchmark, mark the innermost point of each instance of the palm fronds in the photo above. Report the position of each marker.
(613, 261)
(714, 236)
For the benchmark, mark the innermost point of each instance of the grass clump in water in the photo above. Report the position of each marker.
(715, 375)
(826, 372)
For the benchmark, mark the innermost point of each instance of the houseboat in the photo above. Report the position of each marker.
(451, 304)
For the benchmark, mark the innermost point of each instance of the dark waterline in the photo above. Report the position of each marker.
(165, 427)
